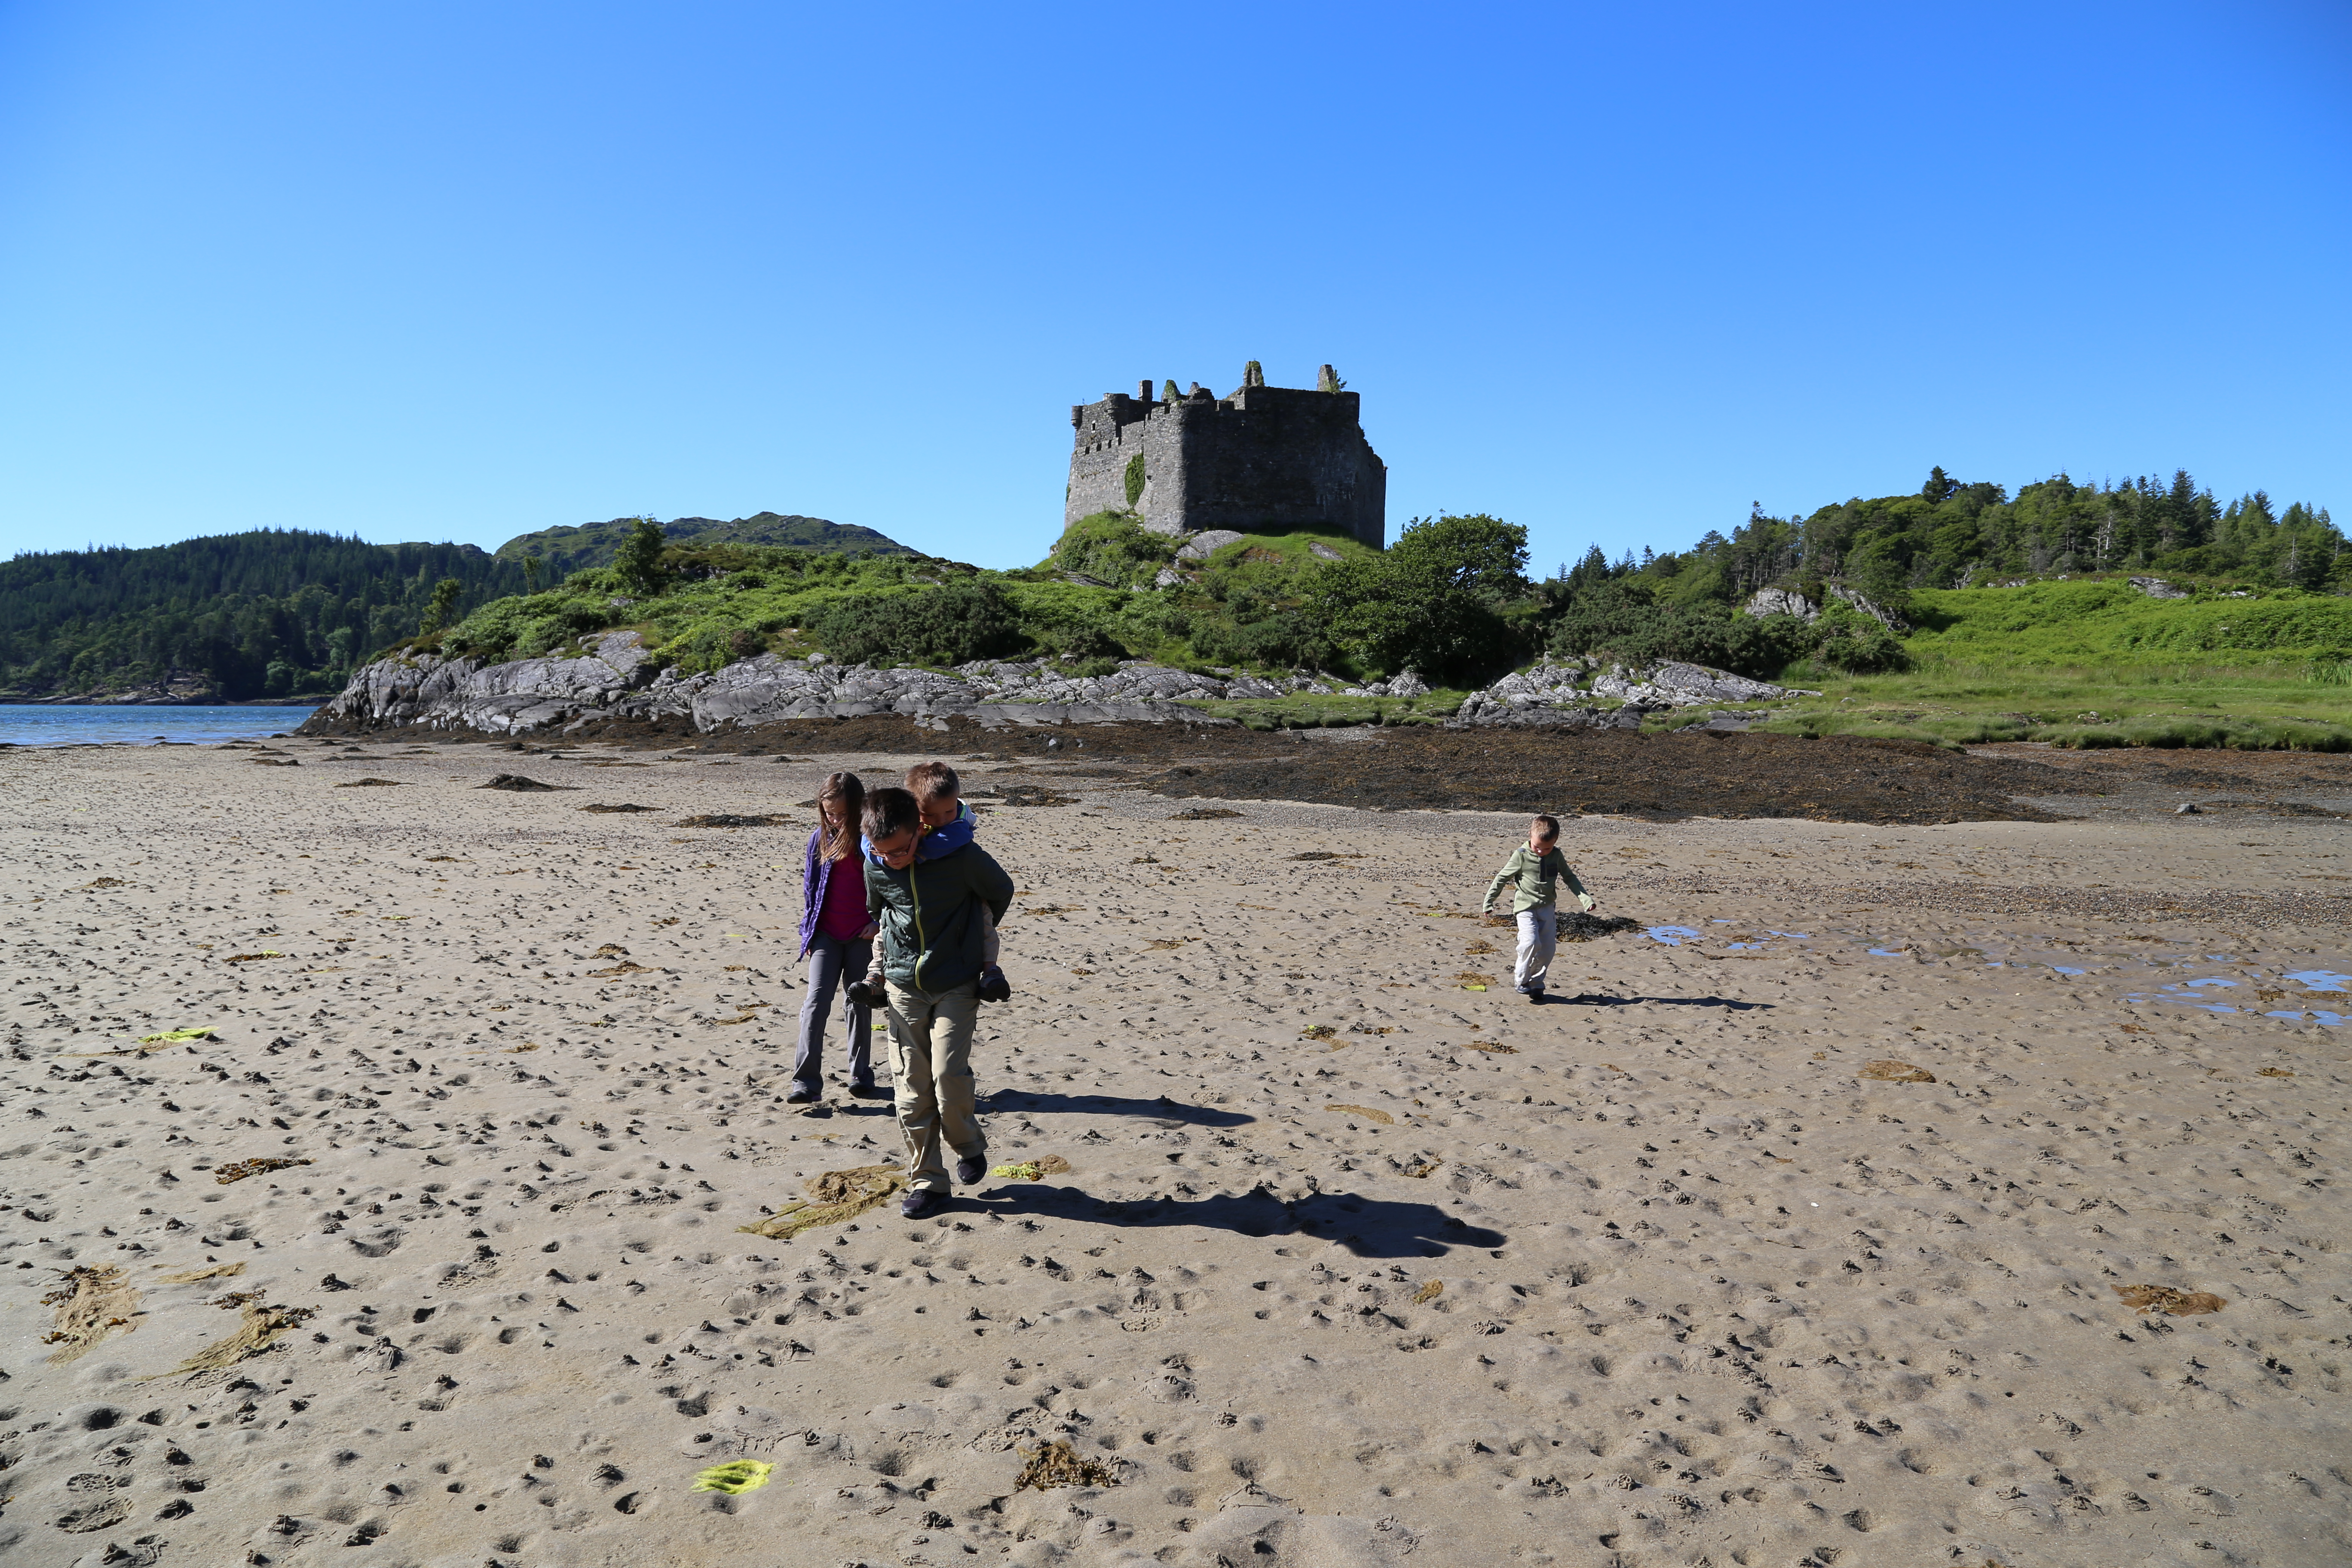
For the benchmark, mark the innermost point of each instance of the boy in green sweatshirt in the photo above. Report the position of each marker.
(1533, 872)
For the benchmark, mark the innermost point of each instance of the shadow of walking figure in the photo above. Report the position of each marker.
(1366, 1227)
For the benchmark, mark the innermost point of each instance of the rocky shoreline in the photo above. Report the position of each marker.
(612, 678)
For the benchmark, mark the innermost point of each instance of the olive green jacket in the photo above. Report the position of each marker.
(1535, 881)
(930, 916)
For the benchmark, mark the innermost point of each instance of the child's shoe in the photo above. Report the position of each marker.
(993, 986)
(868, 993)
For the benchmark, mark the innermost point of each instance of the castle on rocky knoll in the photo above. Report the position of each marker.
(1267, 459)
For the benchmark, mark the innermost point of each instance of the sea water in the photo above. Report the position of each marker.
(77, 724)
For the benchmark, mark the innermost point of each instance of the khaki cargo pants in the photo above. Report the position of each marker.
(931, 1064)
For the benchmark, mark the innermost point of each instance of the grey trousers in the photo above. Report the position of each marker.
(1538, 940)
(930, 1058)
(833, 963)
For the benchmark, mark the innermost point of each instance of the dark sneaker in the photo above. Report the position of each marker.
(993, 986)
(970, 1171)
(918, 1203)
(869, 1092)
(867, 992)
(799, 1096)
(1535, 993)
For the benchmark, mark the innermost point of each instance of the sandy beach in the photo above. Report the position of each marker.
(1951, 1194)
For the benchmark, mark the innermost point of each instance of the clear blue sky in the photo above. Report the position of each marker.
(456, 271)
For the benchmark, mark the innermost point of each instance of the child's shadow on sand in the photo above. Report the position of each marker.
(1167, 1110)
(1593, 999)
(1368, 1228)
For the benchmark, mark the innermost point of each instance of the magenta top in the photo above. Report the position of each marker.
(842, 915)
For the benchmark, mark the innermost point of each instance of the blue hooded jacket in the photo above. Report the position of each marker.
(937, 842)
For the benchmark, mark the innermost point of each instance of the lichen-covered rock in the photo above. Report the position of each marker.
(1407, 683)
(614, 677)
(1669, 684)
(1884, 617)
(1568, 693)
(1788, 602)
(2158, 588)
(500, 699)
(1782, 602)
(1205, 543)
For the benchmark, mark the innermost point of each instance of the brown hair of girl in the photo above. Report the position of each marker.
(849, 789)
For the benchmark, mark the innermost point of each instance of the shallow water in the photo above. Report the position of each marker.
(74, 724)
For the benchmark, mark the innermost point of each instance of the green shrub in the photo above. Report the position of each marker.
(1067, 619)
(1853, 643)
(950, 624)
(639, 562)
(1432, 603)
(711, 645)
(1114, 547)
(1286, 639)
(1134, 478)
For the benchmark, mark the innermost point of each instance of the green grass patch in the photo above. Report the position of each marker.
(2110, 623)
(2280, 705)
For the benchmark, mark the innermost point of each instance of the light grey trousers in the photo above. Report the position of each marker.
(1538, 940)
(930, 1060)
(833, 963)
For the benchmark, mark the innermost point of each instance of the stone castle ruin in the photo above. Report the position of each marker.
(1267, 459)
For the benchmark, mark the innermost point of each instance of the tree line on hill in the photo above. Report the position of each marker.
(273, 612)
(1953, 535)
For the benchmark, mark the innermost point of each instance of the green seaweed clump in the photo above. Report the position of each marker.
(734, 1478)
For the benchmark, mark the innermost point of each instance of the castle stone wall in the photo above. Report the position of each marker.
(1109, 434)
(1267, 459)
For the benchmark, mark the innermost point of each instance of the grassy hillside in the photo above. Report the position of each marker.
(2110, 623)
(707, 602)
(567, 549)
(2098, 663)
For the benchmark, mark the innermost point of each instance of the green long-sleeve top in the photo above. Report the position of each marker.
(1535, 880)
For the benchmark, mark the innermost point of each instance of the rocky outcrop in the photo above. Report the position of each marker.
(609, 674)
(1782, 602)
(612, 677)
(2158, 588)
(1879, 613)
(1569, 694)
(1788, 602)
(1207, 542)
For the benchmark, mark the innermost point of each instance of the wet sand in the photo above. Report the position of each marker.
(1349, 1263)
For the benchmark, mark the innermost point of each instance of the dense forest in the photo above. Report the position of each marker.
(267, 613)
(278, 613)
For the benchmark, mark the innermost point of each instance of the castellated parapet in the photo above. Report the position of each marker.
(1267, 459)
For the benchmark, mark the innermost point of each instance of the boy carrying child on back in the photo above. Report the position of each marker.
(935, 915)
(1533, 872)
(948, 826)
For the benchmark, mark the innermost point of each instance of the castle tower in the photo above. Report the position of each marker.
(1265, 460)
